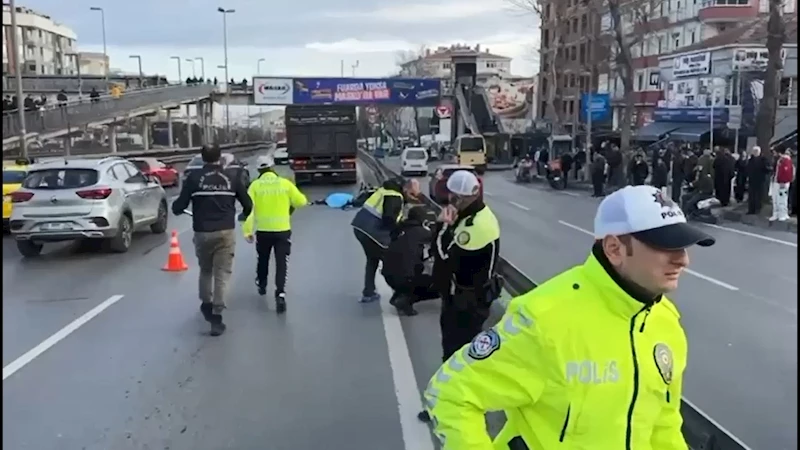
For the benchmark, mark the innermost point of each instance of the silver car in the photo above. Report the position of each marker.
(71, 199)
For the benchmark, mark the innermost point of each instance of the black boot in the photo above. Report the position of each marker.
(280, 303)
(205, 309)
(424, 417)
(262, 287)
(217, 327)
(403, 304)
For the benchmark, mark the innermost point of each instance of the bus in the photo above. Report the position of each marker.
(471, 151)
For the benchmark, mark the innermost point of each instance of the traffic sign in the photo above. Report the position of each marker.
(443, 111)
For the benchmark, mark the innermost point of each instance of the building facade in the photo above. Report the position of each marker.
(93, 63)
(46, 47)
(671, 28)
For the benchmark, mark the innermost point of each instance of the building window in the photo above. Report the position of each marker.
(491, 64)
(788, 93)
(572, 80)
(573, 53)
(692, 36)
(582, 54)
(546, 39)
(584, 22)
(447, 66)
(571, 104)
(544, 86)
(676, 38)
(575, 25)
(640, 81)
(543, 109)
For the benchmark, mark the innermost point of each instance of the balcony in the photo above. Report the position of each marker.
(727, 10)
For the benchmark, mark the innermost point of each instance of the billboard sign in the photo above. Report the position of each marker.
(694, 115)
(600, 107)
(360, 91)
(691, 65)
(273, 91)
(753, 59)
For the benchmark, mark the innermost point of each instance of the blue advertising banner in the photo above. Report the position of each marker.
(362, 91)
(697, 115)
(600, 107)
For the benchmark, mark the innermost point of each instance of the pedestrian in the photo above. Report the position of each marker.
(212, 193)
(598, 174)
(274, 200)
(757, 173)
(740, 177)
(660, 175)
(594, 357)
(678, 176)
(405, 262)
(373, 224)
(779, 187)
(638, 170)
(465, 264)
(724, 172)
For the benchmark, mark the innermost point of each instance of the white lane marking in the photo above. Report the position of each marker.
(488, 194)
(31, 354)
(522, 207)
(753, 235)
(416, 435)
(571, 194)
(689, 271)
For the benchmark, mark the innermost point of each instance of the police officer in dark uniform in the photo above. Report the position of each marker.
(467, 248)
(212, 193)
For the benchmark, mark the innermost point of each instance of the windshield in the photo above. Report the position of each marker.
(197, 161)
(471, 144)
(416, 154)
(448, 172)
(60, 179)
(13, 176)
(141, 165)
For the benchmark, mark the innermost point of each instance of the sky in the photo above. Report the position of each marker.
(308, 41)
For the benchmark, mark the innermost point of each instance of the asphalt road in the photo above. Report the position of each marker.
(738, 304)
(142, 373)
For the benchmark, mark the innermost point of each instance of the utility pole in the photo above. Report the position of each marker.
(103, 24)
(225, 13)
(23, 141)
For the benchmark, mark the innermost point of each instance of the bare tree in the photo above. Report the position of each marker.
(767, 109)
(554, 56)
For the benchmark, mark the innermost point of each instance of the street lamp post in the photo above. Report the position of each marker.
(194, 72)
(180, 76)
(354, 66)
(23, 142)
(141, 74)
(103, 24)
(258, 65)
(225, 13)
(202, 67)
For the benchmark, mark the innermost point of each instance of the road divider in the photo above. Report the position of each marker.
(700, 431)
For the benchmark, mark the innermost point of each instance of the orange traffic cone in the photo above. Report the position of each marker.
(175, 262)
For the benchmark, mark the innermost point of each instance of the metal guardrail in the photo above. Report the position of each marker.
(700, 431)
(77, 114)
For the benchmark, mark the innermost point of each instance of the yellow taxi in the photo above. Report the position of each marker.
(13, 174)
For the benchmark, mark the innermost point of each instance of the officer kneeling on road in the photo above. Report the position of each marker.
(274, 200)
(466, 250)
(593, 358)
(405, 261)
(212, 192)
(373, 225)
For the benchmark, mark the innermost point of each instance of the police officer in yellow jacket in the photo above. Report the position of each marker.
(373, 225)
(274, 200)
(591, 359)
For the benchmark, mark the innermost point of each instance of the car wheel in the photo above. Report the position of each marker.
(121, 243)
(160, 225)
(29, 249)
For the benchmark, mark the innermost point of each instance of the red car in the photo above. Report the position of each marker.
(165, 173)
(437, 190)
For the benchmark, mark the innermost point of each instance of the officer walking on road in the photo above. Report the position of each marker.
(212, 192)
(274, 200)
(467, 247)
(374, 223)
(594, 357)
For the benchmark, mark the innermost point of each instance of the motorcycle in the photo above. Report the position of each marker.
(555, 177)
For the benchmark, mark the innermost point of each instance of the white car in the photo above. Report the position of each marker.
(281, 154)
(414, 160)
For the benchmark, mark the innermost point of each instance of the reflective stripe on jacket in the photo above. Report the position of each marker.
(576, 363)
(369, 219)
(274, 198)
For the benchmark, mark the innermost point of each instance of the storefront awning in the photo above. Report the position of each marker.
(691, 132)
(653, 131)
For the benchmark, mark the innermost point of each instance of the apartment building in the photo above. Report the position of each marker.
(438, 63)
(571, 55)
(672, 26)
(46, 47)
(93, 63)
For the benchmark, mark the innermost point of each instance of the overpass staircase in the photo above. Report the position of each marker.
(56, 121)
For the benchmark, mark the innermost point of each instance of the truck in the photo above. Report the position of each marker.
(321, 142)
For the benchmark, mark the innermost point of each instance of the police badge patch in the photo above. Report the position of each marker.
(484, 344)
(663, 357)
(462, 238)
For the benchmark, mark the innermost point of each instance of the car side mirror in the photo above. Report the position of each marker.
(152, 179)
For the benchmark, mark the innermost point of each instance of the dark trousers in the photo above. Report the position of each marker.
(597, 185)
(280, 242)
(418, 288)
(374, 254)
(755, 194)
(459, 326)
(690, 201)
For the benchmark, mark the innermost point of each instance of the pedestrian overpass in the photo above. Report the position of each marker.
(56, 121)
